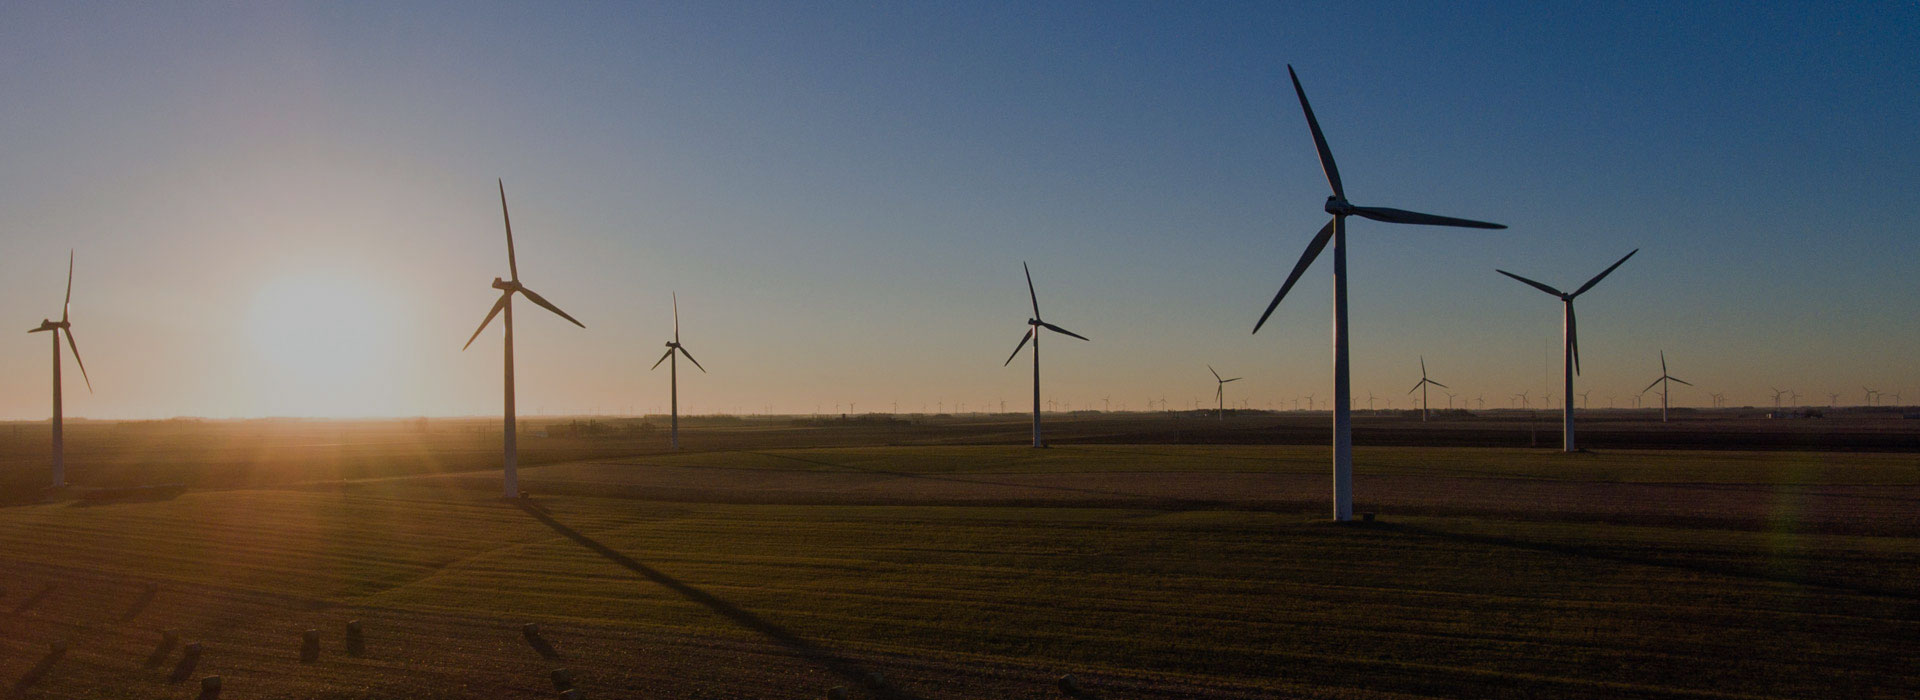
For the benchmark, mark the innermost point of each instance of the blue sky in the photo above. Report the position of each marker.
(842, 196)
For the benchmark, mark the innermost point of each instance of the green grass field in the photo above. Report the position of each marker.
(1238, 593)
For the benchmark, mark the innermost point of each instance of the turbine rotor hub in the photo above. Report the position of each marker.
(1338, 207)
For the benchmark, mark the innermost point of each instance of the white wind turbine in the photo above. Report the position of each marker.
(64, 325)
(1664, 388)
(1033, 334)
(1220, 392)
(673, 374)
(1570, 350)
(1336, 232)
(1422, 388)
(509, 287)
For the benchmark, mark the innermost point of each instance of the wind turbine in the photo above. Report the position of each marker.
(1664, 377)
(1336, 232)
(1033, 334)
(1584, 403)
(1833, 400)
(508, 288)
(1870, 394)
(673, 373)
(1570, 350)
(1777, 393)
(1220, 391)
(64, 325)
(1422, 388)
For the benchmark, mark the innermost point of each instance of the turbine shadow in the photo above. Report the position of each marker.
(986, 482)
(840, 665)
(1572, 550)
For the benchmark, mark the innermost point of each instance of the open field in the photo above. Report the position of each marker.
(791, 564)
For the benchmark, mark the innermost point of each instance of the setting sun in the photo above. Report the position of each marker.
(324, 333)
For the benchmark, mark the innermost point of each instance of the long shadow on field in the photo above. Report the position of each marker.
(841, 665)
(1749, 573)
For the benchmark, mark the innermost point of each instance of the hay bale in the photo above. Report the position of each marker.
(210, 685)
(838, 692)
(875, 680)
(356, 639)
(309, 646)
(571, 694)
(1070, 686)
(562, 679)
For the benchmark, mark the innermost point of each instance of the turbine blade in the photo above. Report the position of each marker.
(1058, 329)
(1030, 295)
(1235, 379)
(1655, 383)
(497, 306)
(1417, 385)
(77, 360)
(1573, 337)
(513, 265)
(1018, 348)
(689, 355)
(1216, 374)
(663, 358)
(68, 302)
(1536, 285)
(1438, 384)
(537, 299)
(1663, 362)
(1319, 139)
(1402, 216)
(676, 318)
(1682, 381)
(1423, 366)
(1306, 260)
(1603, 274)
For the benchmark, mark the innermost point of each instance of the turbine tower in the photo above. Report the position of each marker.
(1336, 232)
(1220, 391)
(509, 287)
(1033, 333)
(1570, 348)
(1664, 377)
(64, 325)
(673, 374)
(1422, 388)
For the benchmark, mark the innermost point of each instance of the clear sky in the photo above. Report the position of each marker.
(285, 209)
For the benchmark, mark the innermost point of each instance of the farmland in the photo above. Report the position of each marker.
(785, 558)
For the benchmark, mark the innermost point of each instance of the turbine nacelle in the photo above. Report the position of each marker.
(506, 285)
(1339, 206)
(51, 325)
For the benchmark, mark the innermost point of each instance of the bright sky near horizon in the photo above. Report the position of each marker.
(288, 209)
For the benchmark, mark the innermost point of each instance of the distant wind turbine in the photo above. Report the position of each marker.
(1421, 388)
(1833, 400)
(1570, 350)
(1220, 391)
(1033, 334)
(1870, 394)
(673, 374)
(1664, 388)
(1336, 232)
(1777, 393)
(64, 325)
(508, 288)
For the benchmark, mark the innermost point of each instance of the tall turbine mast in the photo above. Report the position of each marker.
(1033, 334)
(64, 325)
(1570, 346)
(1664, 387)
(673, 374)
(1422, 388)
(1220, 392)
(1335, 232)
(508, 288)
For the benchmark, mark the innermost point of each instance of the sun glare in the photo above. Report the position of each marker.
(320, 331)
